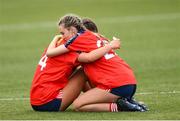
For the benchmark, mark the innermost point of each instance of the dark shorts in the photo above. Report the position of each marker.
(126, 91)
(53, 105)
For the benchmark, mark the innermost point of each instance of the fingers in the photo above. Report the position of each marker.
(115, 43)
(59, 36)
(115, 38)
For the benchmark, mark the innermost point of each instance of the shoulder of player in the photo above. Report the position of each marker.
(88, 35)
(99, 36)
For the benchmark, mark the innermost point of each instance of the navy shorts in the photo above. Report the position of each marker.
(126, 91)
(53, 105)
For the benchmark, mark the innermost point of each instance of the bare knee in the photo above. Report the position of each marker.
(76, 105)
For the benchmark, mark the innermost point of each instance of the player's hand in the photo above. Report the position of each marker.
(57, 37)
(115, 43)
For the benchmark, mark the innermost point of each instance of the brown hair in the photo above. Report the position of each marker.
(90, 25)
(72, 20)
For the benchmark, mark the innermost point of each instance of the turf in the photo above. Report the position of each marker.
(149, 30)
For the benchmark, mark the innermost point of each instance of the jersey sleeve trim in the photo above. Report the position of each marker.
(71, 40)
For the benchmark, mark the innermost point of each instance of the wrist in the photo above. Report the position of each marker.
(109, 46)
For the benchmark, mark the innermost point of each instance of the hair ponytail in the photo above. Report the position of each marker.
(72, 20)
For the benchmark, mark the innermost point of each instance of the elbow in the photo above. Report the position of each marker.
(85, 59)
(49, 54)
(76, 105)
(89, 60)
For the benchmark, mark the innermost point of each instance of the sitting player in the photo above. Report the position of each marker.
(90, 25)
(53, 81)
(114, 81)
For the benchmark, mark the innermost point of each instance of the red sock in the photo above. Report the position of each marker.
(113, 107)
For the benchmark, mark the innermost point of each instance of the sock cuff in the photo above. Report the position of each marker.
(113, 107)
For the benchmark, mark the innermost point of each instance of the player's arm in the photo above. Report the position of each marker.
(98, 53)
(53, 50)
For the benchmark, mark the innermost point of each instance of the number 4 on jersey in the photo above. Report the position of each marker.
(42, 62)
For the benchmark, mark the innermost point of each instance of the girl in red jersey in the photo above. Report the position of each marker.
(51, 89)
(114, 81)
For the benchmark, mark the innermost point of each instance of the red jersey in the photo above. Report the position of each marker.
(109, 71)
(51, 76)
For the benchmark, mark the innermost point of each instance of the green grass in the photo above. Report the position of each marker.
(149, 30)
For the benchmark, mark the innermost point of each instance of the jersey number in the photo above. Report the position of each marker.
(101, 43)
(42, 62)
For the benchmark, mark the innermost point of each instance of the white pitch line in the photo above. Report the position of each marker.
(151, 93)
(28, 26)
(108, 20)
(10, 99)
(147, 18)
(141, 93)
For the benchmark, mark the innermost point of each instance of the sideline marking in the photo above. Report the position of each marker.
(151, 93)
(142, 93)
(108, 20)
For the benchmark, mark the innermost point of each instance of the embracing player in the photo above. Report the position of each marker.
(114, 81)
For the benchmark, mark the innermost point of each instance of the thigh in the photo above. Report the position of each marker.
(73, 88)
(95, 95)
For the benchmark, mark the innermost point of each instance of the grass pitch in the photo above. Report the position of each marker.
(149, 30)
